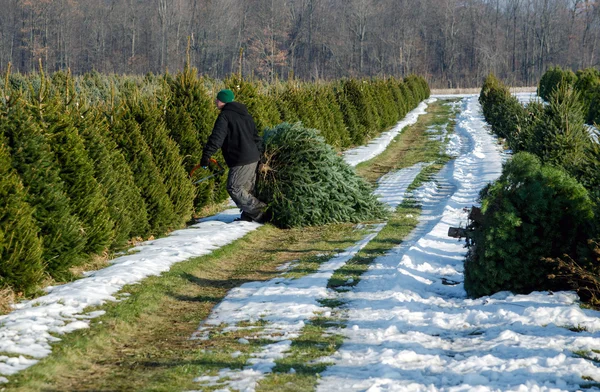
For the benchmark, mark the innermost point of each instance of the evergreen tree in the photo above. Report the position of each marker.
(533, 211)
(401, 109)
(335, 117)
(151, 182)
(308, 183)
(258, 104)
(552, 79)
(32, 158)
(126, 206)
(286, 102)
(588, 81)
(359, 98)
(77, 172)
(21, 265)
(408, 97)
(190, 115)
(561, 138)
(349, 113)
(167, 157)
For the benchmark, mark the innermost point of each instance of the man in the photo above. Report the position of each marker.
(236, 135)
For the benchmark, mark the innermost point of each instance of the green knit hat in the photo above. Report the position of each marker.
(225, 96)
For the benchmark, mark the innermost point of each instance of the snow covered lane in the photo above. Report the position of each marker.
(411, 328)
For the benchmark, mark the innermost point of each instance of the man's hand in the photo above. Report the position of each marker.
(204, 161)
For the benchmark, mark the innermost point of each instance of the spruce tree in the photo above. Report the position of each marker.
(533, 211)
(21, 264)
(401, 109)
(151, 182)
(561, 138)
(288, 112)
(190, 117)
(32, 158)
(126, 206)
(552, 79)
(76, 170)
(407, 95)
(190, 114)
(356, 130)
(335, 116)
(167, 157)
(359, 97)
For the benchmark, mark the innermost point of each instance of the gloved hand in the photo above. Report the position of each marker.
(204, 161)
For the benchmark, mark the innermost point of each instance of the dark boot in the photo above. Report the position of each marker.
(244, 217)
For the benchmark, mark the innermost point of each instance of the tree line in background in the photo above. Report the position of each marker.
(453, 43)
(88, 163)
(540, 228)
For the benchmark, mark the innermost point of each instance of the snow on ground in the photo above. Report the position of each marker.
(27, 332)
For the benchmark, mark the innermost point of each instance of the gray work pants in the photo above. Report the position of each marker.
(240, 186)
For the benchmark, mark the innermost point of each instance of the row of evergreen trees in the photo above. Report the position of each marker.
(540, 218)
(90, 162)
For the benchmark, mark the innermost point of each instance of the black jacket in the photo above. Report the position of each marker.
(236, 134)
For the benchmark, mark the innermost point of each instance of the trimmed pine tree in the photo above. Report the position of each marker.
(126, 132)
(167, 157)
(334, 116)
(21, 264)
(190, 114)
(349, 113)
(532, 211)
(308, 183)
(126, 206)
(561, 137)
(60, 229)
(357, 94)
(77, 172)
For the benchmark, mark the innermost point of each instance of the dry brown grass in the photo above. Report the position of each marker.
(7, 298)
(95, 263)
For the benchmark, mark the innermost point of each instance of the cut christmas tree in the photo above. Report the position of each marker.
(305, 182)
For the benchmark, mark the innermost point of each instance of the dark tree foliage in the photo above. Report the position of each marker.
(552, 79)
(148, 178)
(126, 206)
(21, 263)
(87, 197)
(532, 212)
(166, 156)
(32, 158)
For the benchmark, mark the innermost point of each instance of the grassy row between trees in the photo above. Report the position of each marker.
(540, 228)
(91, 162)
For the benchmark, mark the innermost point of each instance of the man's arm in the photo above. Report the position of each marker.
(215, 140)
(259, 142)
